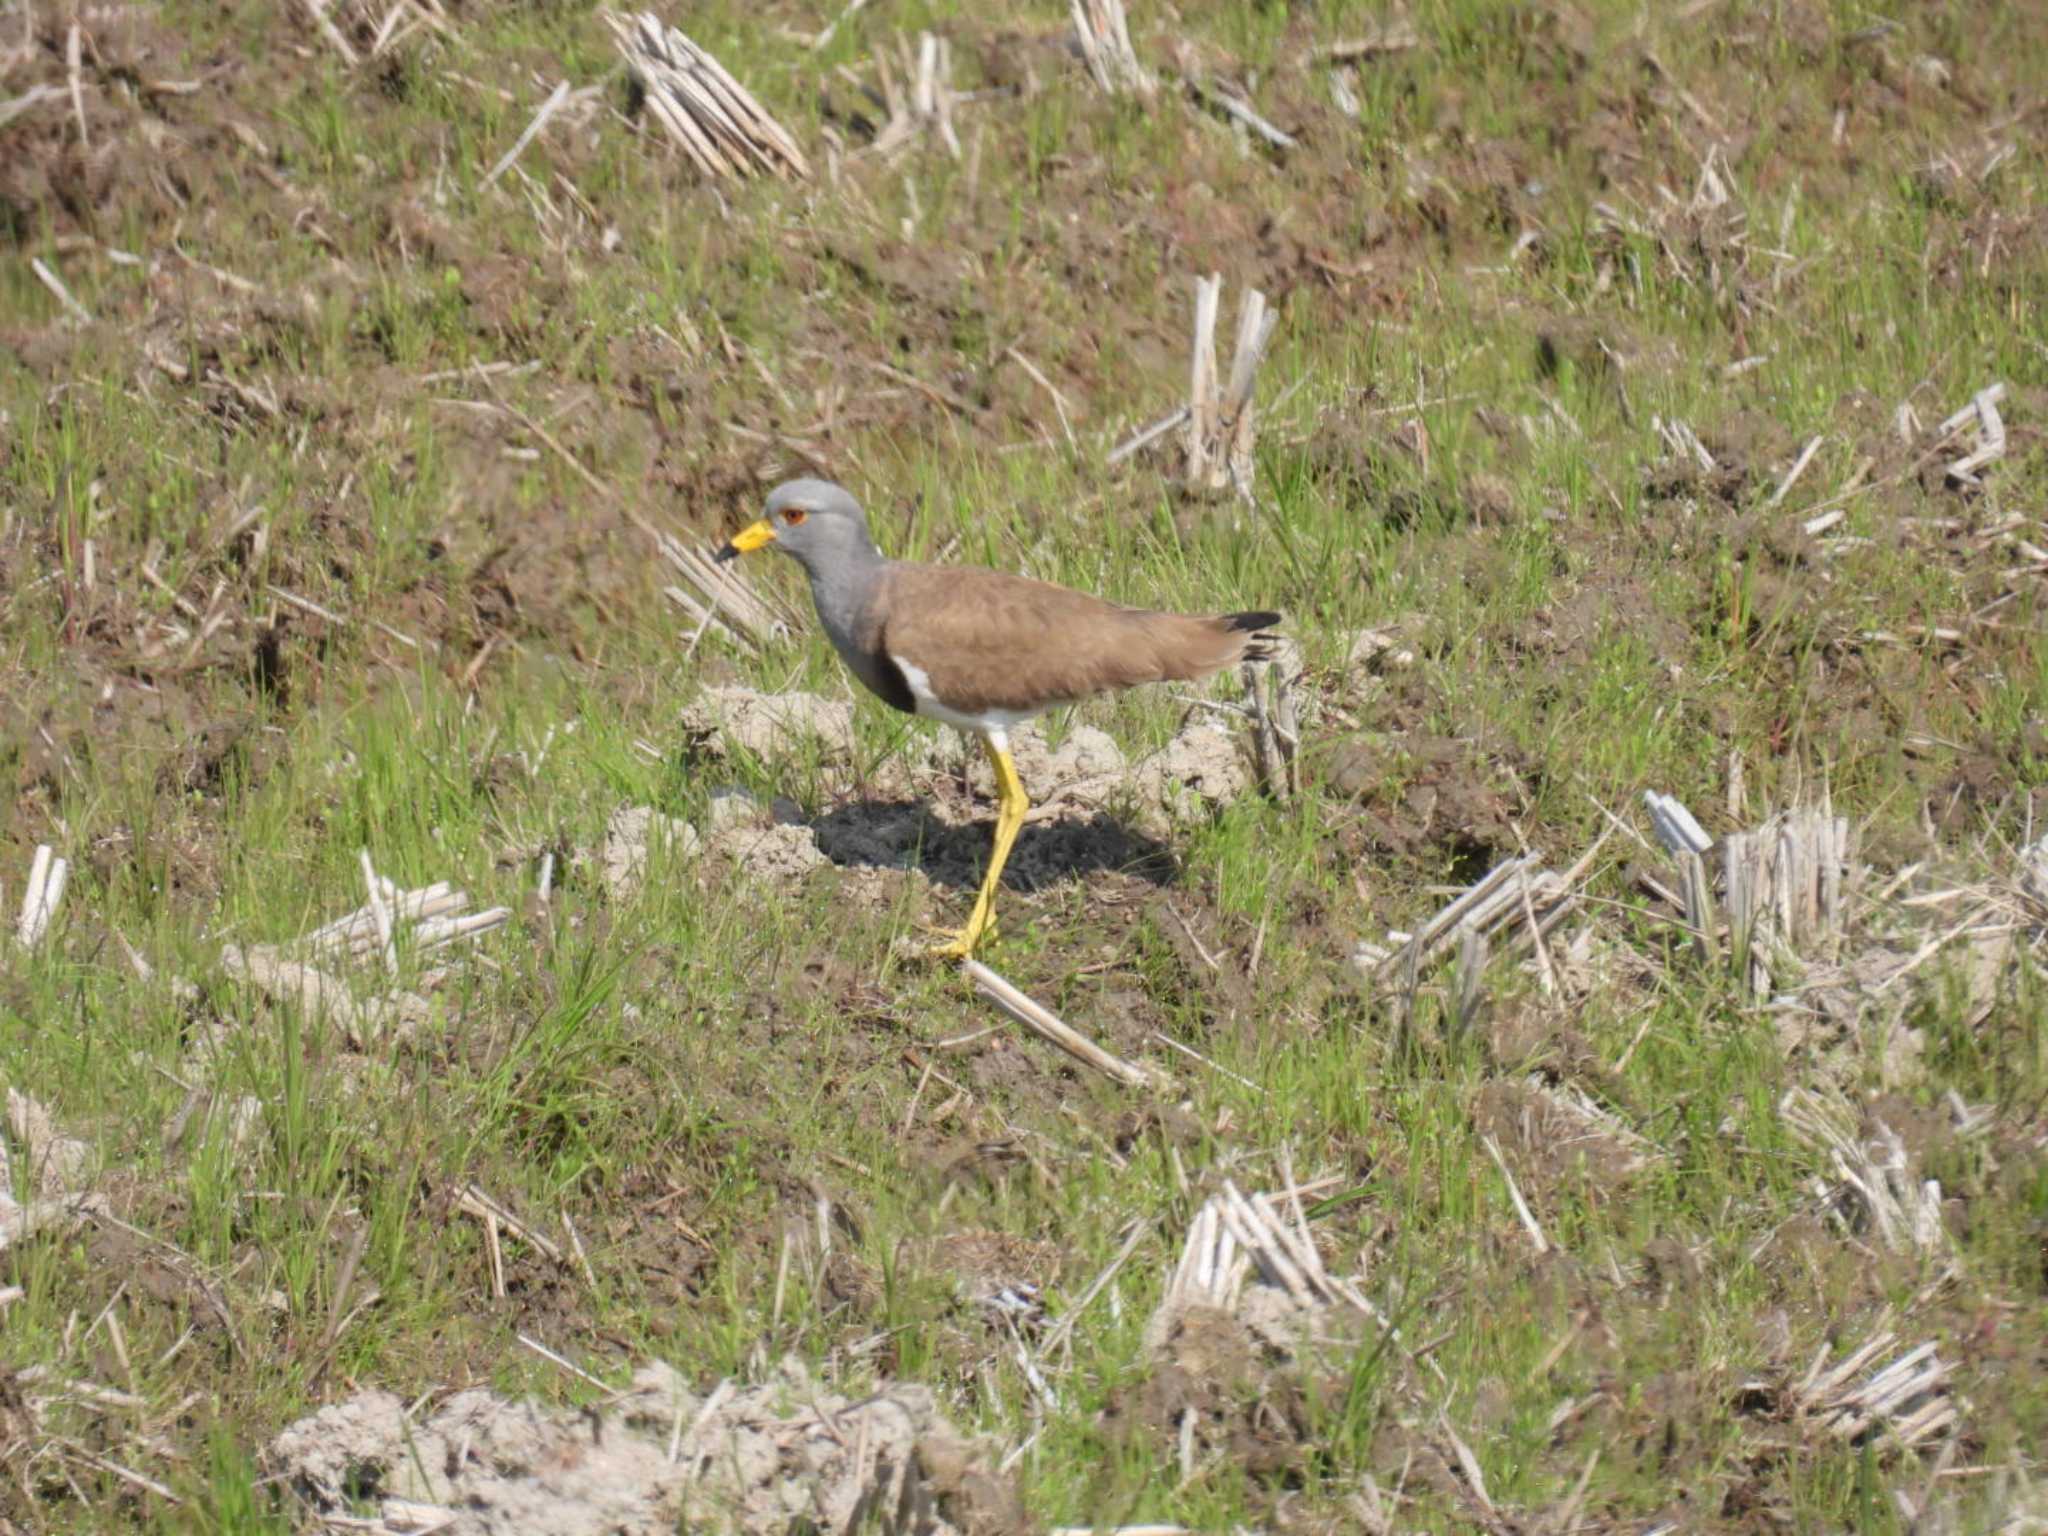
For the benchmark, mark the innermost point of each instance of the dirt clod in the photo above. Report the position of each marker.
(769, 724)
(1084, 766)
(630, 836)
(1202, 768)
(773, 853)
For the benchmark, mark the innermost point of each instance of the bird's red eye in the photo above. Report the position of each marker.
(794, 516)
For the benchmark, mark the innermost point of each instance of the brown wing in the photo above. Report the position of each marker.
(992, 640)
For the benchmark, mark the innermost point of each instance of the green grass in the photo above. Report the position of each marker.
(680, 1071)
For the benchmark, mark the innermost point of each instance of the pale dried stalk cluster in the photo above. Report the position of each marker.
(1519, 904)
(1782, 885)
(373, 36)
(1982, 413)
(430, 919)
(1275, 723)
(1104, 37)
(1877, 1190)
(36, 1156)
(708, 114)
(47, 877)
(1232, 1235)
(1909, 1399)
(925, 108)
(1218, 420)
(718, 597)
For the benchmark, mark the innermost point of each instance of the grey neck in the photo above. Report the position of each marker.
(842, 586)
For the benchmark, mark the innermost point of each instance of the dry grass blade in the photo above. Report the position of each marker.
(33, 97)
(548, 108)
(1398, 36)
(1684, 443)
(712, 118)
(370, 29)
(472, 1200)
(1144, 437)
(1468, 1466)
(853, 8)
(1792, 475)
(1523, 1214)
(55, 284)
(317, 10)
(1064, 1328)
(1236, 108)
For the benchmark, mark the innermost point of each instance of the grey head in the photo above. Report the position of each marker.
(817, 523)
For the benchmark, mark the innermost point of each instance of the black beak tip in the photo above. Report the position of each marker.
(728, 552)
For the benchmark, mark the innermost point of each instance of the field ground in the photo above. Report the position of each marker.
(1600, 451)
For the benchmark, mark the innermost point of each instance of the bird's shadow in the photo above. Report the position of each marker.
(903, 834)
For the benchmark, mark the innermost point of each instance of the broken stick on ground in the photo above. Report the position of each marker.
(1042, 1022)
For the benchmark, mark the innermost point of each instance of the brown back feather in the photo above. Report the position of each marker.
(993, 640)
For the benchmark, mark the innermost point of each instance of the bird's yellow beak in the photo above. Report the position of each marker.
(747, 540)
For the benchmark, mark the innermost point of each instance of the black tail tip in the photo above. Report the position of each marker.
(1251, 621)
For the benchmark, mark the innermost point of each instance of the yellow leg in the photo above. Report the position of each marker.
(1011, 804)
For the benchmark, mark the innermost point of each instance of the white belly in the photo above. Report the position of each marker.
(993, 723)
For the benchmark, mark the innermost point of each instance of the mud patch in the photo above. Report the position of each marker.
(783, 1455)
(1418, 791)
(1212, 1391)
(908, 836)
(990, 1268)
(736, 829)
(1252, 1330)
(775, 852)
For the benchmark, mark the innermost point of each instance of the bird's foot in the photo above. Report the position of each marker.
(956, 943)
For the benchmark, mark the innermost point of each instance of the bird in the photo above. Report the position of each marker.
(980, 649)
